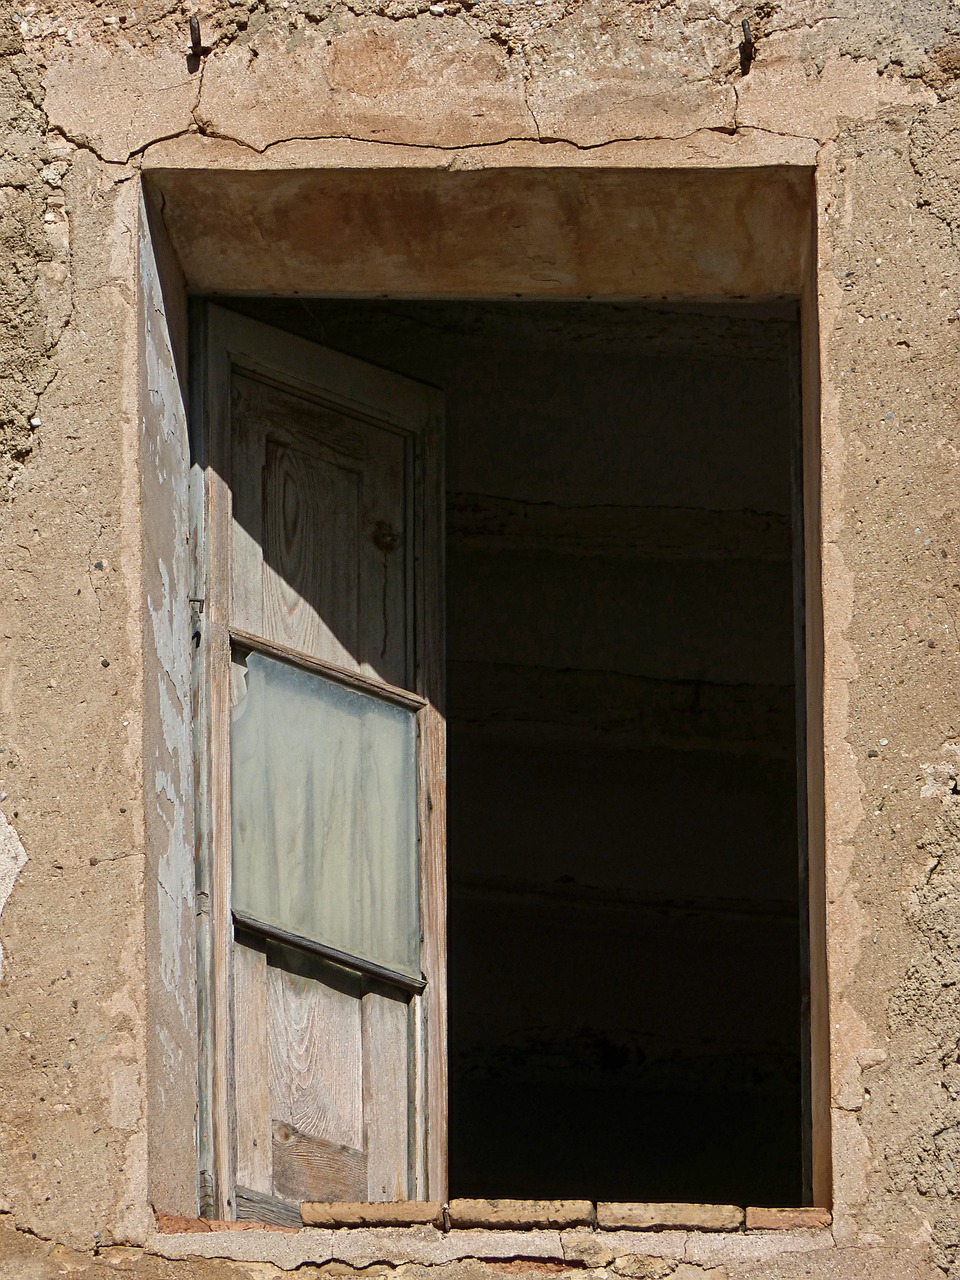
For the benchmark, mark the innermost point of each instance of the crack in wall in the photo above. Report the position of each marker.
(468, 148)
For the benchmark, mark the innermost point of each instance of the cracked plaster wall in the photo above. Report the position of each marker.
(89, 91)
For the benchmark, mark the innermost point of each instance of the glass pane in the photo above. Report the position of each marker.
(324, 801)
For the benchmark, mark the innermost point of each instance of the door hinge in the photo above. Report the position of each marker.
(196, 620)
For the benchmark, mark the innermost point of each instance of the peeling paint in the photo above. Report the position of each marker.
(167, 746)
(13, 859)
(168, 613)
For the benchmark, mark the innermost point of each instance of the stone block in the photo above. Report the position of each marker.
(716, 1248)
(636, 1266)
(427, 81)
(657, 1217)
(396, 1213)
(400, 1245)
(588, 1248)
(787, 1219)
(779, 88)
(593, 79)
(520, 1213)
(581, 1245)
(119, 100)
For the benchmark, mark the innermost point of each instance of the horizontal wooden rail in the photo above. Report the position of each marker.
(370, 968)
(350, 679)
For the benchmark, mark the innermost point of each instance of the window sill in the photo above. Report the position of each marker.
(762, 1234)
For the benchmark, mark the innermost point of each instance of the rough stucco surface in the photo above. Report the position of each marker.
(86, 89)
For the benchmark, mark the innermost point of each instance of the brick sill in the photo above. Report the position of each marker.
(523, 1215)
(760, 1237)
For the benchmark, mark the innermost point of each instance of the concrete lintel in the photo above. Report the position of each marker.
(524, 232)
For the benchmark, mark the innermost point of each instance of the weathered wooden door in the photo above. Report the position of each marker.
(321, 854)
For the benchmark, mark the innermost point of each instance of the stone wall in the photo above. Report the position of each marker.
(92, 94)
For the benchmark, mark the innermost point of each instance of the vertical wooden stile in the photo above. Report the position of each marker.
(386, 1032)
(200, 685)
(433, 814)
(251, 1030)
(217, 666)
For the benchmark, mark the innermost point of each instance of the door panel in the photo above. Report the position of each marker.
(310, 545)
(322, 477)
(387, 1030)
(320, 548)
(316, 1060)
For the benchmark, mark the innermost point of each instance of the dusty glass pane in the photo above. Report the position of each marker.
(323, 795)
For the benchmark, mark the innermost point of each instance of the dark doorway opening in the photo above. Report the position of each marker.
(626, 934)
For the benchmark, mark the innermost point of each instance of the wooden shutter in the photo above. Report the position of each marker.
(321, 840)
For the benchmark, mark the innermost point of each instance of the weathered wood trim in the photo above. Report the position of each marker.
(320, 374)
(200, 686)
(255, 1206)
(325, 1170)
(215, 853)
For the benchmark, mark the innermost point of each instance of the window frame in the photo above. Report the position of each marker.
(209, 228)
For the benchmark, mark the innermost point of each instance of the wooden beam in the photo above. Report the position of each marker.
(501, 892)
(621, 710)
(272, 933)
(481, 521)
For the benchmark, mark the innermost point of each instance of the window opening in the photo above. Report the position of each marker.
(627, 944)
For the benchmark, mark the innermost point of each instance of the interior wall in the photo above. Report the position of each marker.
(624, 954)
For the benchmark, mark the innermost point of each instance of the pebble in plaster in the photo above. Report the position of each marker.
(13, 859)
(941, 776)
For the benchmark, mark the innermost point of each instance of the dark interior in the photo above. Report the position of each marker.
(625, 932)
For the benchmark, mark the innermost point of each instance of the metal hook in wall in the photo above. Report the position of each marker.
(198, 49)
(747, 48)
